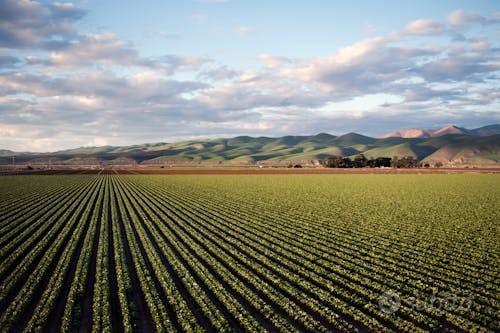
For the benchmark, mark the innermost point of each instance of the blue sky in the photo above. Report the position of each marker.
(125, 72)
(290, 28)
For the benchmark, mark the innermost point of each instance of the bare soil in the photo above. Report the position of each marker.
(249, 171)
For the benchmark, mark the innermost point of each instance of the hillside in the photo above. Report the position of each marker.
(449, 149)
(451, 129)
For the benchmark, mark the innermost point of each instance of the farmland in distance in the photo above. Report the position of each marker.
(250, 253)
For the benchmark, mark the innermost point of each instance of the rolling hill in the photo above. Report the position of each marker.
(451, 129)
(473, 147)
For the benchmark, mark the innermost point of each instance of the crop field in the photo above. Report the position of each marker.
(250, 253)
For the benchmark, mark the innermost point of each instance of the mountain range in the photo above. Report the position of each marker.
(450, 145)
(451, 129)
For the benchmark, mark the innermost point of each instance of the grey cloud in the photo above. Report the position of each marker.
(77, 83)
(460, 68)
(102, 84)
(30, 24)
(219, 73)
(469, 60)
(420, 93)
(180, 62)
(95, 49)
(259, 93)
(378, 66)
(66, 10)
(486, 96)
(107, 49)
(462, 18)
(378, 69)
(8, 61)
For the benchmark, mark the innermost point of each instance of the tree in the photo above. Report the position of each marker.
(333, 162)
(408, 162)
(346, 163)
(438, 164)
(384, 162)
(404, 162)
(395, 162)
(360, 161)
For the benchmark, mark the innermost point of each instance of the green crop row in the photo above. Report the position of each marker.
(286, 253)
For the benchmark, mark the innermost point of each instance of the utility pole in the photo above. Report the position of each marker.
(13, 160)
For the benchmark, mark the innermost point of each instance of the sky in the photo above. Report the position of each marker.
(97, 72)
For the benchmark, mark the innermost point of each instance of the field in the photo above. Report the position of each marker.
(303, 253)
(249, 170)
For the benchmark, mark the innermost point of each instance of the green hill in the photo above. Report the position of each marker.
(454, 149)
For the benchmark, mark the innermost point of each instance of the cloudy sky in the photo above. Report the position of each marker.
(123, 72)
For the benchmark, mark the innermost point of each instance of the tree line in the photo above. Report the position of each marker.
(361, 161)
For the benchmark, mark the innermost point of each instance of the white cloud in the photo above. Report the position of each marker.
(424, 27)
(364, 67)
(97, 141)
(9, 131)
(93, 49)
(272, 61)
(462, 18)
